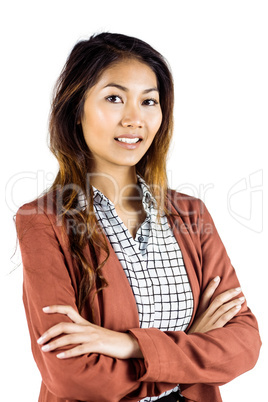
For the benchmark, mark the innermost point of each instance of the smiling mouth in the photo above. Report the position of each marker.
(128, 140)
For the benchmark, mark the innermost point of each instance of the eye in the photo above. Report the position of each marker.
(114, 99)
(150, 102)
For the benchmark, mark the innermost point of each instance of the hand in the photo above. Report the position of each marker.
(217, 313)
(88, 337)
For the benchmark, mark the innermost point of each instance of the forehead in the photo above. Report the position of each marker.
(129, 71)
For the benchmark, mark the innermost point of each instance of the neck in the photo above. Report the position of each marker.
(119, 185)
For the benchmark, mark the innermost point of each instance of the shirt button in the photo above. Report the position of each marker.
(147, 197)
(141, 238)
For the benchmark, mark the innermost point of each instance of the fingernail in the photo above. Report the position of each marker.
(217, 279)
(238, 289)
(45, 309)
(45, 348)
(242, 299)
(40, 340)
(238, 307)
(61, 355)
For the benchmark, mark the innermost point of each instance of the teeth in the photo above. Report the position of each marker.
(128, 140)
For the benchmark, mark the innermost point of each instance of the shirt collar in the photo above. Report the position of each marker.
(101, 199)
(148, 201)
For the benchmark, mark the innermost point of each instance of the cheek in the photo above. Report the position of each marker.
(155, 123)
(103, 120)
(95, 123)
(100, 117)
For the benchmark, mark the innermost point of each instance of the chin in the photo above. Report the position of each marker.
(128, 163)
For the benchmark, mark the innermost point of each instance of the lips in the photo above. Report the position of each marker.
(129, 138)
(129, 141)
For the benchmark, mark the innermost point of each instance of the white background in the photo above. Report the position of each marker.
(218, 54)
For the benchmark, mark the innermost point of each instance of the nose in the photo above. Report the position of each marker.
(132, 117)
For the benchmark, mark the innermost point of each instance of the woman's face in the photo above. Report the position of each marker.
(122, 115)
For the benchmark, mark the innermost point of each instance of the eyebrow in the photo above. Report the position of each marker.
(146, 91)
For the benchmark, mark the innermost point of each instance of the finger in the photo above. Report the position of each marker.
(208, 293)
(67, 310)
(222, 299)
(223, 310)
(225, 318)
(66, 340)
(76, 351)
(58, 329)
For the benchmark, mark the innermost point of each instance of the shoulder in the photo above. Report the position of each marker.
(44, 204)
(184, 205)
(39, 213)
(190, 215)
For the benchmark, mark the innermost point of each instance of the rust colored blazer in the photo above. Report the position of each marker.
(199, 362)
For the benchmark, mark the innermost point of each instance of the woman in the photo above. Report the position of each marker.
(128, 291)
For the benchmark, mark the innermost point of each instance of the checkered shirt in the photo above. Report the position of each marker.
(153, 264)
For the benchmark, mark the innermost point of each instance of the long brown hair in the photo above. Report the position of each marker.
(86, 62)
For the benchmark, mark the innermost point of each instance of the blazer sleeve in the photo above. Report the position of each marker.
(46, 281)
(215, 357)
